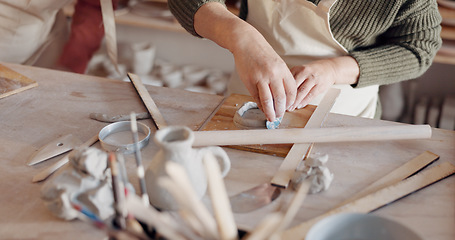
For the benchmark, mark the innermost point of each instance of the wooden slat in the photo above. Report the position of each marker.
(379, 198)
(157, 118)
(402, 172)
(298, 151)
(12, 82)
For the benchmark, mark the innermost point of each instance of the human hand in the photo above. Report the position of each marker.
(317, 77)
(266, 76)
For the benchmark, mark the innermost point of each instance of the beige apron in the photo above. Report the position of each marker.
(299, 31)
(28, 29)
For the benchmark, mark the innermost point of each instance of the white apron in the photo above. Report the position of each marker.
(300, 33)
(30, 28)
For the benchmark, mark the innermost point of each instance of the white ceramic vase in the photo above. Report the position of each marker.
(176, 146)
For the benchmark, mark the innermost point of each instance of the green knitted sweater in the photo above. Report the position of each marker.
(392, 40)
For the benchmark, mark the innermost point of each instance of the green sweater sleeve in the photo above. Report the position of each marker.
(402, 48)
(184, 11)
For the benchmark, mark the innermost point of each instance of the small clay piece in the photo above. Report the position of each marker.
(315, 170)
(249, 116)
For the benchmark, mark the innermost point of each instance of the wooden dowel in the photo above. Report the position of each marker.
(300, 135)
(219, 198)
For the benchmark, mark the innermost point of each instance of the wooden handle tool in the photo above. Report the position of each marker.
(219, 198)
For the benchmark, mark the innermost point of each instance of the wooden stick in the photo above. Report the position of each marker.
(157, 118)
(163, 223)
(299, 135)
(138, 156)
(266, 227)
(404, 171)
(284, 174)
(379, 198)
(44, 174)
(185, 195)
(219, 198)
(110, 35)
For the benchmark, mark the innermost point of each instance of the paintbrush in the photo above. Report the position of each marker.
(137, 154)
(118, 192)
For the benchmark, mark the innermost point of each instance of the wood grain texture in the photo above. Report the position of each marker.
(62, 104)
(223, 120)
(12, 82)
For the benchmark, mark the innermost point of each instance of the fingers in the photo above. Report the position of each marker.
(308, 87)
(266, 101)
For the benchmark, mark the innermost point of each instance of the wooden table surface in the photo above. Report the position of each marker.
(62, 102)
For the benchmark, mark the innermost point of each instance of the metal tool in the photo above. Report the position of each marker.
(54, 148)
(44, 174)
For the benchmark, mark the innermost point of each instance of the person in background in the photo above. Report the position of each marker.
(288, 53)
(36, 33)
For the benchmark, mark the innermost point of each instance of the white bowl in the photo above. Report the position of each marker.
(357, 226)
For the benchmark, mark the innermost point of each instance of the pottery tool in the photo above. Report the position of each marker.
(107, 12)
(137, 154)
(51, 169)
(161, 221)
(118, 192)
(219, 199)
(12, 82)
(157, 118)
(54, 148)
(178, 184)
(316, 135)
(109, 141)
(297, 152)
(409, 168)
(102, 117)
(379, 198)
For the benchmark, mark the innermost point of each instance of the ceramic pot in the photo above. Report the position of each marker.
(175, 144)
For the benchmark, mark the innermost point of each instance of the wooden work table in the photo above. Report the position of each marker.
(62, 102)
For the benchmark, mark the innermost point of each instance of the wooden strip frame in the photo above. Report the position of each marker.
(284, 174)
(157, 118)
(409, 168)
(379, 198)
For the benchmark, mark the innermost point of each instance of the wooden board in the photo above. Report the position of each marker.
(12, 82)
(223, 120)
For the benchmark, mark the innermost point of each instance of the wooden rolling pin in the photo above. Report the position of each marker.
(302, 135)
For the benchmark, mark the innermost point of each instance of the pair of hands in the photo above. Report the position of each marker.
(276, 88)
